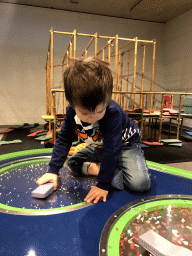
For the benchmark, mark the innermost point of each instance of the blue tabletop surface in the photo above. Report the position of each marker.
(76, 232)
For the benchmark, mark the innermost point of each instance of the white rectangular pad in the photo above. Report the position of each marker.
(43, 191)
(159, 246)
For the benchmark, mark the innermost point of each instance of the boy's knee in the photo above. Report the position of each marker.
(117, 181)
(139, 185)
(69, 162)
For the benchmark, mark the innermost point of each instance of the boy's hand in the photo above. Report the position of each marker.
(48, 177)
(96, 194)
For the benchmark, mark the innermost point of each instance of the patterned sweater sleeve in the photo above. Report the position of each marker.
(112, 130)
(63, 143)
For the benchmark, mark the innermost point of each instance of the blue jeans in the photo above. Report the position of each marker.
(131, 166)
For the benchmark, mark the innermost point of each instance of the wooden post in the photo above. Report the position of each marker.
(179, 117)
(172, 101)
(86, 49)
(152, 76)
(118, 80)
(52, 81)
(52, 76)
(143, 72)
(68, 48)
(182, 104)
(96, 44)
(128, 63)
(71, 50)
(54, 122)
(146, 102)
(103, 55)
(85, 54)
(67, 58)
(67, 54)
(121, 80)
(134, 75)
(75, 43)
(109, 53)
(142, 118)
(48, 89)
(63, 94)
(161, 117)
(154, 99)
(116, 63)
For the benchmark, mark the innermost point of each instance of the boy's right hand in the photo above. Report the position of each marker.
(48, 177)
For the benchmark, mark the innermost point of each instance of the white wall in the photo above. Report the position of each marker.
(24, 37)
(178, 49)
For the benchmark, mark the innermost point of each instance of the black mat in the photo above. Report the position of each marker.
(169, 154)
(19, 134)
(159, 154)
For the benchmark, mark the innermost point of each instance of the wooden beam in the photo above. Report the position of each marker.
(88, 45)
(116, 63)
(134, 74)
(143, 72)
(75, 43)
(109, 54)
(127, 79)
(152, 75)
(96, 44)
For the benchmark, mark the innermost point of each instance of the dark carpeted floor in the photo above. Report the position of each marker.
(159, 154)
(19, 134)
(169, 154)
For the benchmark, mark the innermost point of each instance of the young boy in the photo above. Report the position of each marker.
(114, 148)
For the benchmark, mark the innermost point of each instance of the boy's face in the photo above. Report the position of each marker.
(91, 117)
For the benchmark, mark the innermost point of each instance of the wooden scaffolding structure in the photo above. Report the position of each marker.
(116, 61)
(121, 54)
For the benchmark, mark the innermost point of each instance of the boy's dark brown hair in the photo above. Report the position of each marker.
(88, 82)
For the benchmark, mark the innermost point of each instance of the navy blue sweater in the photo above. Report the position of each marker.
(113, 130)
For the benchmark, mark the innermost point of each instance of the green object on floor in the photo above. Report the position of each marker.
(25, 126)
(43, 138)
(28, 126)
(188, 137)
(10, 142)
(6, 131)
(170, 141)
(175, 144)
(37, 128)
(41, 134)
(16, 126)
(75, 143)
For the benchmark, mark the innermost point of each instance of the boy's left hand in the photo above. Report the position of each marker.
(96, 194)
